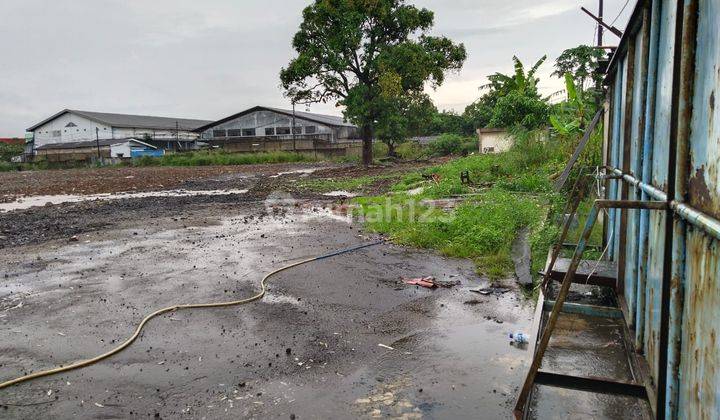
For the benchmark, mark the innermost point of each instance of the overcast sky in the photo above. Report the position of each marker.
(209, 59)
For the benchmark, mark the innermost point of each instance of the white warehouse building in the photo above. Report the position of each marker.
(72, 127)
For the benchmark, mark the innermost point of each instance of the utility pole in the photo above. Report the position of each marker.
(615, 31)
(600, 27)
(293, 126)
(97, 141)
(177, 133)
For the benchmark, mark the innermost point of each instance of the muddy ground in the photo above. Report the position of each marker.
(76, 278)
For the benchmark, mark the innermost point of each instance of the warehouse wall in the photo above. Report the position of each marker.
(56, 131)
(665, 132)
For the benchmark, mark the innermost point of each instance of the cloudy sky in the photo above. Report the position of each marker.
(186, 58)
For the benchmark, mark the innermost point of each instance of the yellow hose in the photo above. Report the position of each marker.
(145, 320)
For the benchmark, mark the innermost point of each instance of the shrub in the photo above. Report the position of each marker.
(380, 150)
(411, 150)
(446, 144)
(7, 166)
(517, 109)
(469, 146)
(7, 151)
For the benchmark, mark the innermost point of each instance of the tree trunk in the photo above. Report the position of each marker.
(367, 156)
(391, 149)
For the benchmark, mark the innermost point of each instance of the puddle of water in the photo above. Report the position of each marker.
(340, 193)
(297, 171)
(277, 298)
(23, 203)
(481, 370)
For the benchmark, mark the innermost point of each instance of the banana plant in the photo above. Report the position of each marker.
(520, 81)
(570, 118)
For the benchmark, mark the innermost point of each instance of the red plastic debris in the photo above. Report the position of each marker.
(428, 282)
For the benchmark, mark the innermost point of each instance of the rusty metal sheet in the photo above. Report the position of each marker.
(653, 288)
(704, 185)
(690, 264)
(698, 390)
(661, 147)
(663, 94)
(699, 387)
(646, 175)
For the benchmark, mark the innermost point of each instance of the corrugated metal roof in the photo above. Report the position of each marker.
(334, 120)
(131, 121)
(330, 120)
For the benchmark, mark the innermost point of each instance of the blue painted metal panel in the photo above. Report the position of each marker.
(663, 94)
(614, 144)
(693, 354)
(147, 152)
(646, 171)
(633, 218)
(697, 393)
(618, 148)
(661, 148)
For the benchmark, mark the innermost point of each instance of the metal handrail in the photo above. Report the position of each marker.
(693, 216)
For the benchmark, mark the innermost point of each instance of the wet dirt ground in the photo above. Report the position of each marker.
(76, 278)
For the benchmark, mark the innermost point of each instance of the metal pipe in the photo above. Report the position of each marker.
(695, 217)
(648, 189)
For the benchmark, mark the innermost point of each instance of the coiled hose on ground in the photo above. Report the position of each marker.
(126, 343)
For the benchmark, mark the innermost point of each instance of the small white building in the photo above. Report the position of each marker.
(494, 140)
(72, 126)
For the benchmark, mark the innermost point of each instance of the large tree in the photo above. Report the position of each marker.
(361, 52)
(402, 117)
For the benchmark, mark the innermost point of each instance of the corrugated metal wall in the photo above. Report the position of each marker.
(665, 132)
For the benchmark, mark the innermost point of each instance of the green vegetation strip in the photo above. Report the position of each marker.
(358, 184)
(508, 192)
(207, 158)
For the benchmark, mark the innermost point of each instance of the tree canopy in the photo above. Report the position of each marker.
(581, 63)
(364, 53)
(402, 117)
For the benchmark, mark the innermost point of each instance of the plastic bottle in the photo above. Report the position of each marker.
(518, 337)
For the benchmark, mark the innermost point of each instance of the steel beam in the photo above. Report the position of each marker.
(584, 309)
(591, 384)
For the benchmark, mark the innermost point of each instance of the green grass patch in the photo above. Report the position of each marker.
(358, 184)
(208, 158)
(482, 228)
(7, 166)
